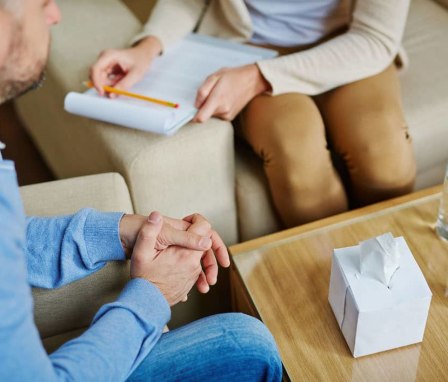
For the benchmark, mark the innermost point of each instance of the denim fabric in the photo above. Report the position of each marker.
(225, 347)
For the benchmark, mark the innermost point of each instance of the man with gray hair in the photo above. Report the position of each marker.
(168, 257)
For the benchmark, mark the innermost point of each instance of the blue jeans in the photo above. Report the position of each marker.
(225, 347)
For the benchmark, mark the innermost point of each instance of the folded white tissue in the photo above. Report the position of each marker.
(379, 295)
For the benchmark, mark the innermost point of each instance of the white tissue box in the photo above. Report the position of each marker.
(372, 316)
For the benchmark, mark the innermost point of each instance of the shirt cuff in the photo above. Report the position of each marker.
(145, 301)
(102, 236)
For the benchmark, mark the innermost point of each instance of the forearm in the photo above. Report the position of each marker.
(63, 249)
(121, 336)
(171, 20)
(370, 45)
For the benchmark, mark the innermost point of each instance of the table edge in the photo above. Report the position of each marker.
(253, 244)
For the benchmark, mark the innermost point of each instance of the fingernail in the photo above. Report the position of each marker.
(154, 218)
(205, 243)
(214, 281)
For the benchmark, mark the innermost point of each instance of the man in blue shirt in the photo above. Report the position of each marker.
(168, 257)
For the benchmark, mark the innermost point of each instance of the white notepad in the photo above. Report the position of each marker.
(175, 76)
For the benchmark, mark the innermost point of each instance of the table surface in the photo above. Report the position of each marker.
(287, 275)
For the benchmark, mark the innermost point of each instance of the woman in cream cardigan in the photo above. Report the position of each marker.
(333, 93)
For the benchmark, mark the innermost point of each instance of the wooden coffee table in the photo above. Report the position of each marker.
(283, 279)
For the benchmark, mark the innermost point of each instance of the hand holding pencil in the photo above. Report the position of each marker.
(123, 68)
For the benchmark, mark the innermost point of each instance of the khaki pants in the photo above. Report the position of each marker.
(362, 123)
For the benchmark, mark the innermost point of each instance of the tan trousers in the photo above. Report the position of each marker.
(362, 123)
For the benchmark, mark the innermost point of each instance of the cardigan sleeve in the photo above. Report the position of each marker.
(368, 47)
(171, 20)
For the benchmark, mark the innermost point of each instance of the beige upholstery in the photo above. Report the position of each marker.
(60, 312)
(194, 169)
(190, 172)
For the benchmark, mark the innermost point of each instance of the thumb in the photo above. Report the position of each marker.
(144, 248)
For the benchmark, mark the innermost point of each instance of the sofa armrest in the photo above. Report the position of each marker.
(104, 192)
(72, 307)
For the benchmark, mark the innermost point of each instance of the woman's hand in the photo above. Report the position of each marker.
(122, 68)
(225, 93)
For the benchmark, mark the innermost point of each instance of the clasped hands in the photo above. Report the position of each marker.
(173, 254)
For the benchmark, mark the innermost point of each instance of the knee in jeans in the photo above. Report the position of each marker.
(255, 344)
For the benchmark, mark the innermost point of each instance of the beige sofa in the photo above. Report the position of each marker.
(64, 313)
(194, 170)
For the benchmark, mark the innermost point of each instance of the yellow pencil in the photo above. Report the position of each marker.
(110, 89)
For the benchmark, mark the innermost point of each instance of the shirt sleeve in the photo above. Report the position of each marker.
(60, 250)
(367, 48)
(121, 336)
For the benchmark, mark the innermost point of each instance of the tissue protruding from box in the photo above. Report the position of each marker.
(380, 258)
(372, 316)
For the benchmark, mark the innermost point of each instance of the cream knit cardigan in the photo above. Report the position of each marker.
(370, 45)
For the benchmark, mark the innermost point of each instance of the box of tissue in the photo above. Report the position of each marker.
(379, 295)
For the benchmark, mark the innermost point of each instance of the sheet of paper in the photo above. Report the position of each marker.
(174, 77)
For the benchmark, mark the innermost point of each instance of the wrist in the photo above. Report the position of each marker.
(150, 47)
(261, 85)
(130, 226)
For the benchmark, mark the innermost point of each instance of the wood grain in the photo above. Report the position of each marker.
(285, 277)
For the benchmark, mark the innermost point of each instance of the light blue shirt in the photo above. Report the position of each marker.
(289, 23)
(49, 253)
